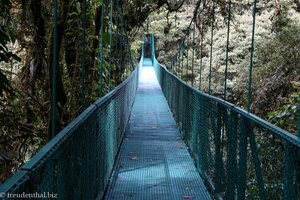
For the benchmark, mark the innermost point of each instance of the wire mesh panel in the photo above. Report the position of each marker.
(238, 154)
(77, 163)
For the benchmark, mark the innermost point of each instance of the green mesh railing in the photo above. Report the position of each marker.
(77, 163)
(239, 155)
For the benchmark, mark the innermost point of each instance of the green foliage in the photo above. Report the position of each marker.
(280, 53)
(285, 116)
(277, 74)
(106, 38)
(4, 85)
(4, 6)
(5, 55)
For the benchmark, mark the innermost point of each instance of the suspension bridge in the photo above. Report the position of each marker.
(156, 137)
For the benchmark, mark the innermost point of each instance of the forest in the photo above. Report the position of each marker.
(26, 60)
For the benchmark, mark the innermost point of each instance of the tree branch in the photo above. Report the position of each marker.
(178, 5)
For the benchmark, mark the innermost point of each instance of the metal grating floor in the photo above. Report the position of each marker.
(153, 161)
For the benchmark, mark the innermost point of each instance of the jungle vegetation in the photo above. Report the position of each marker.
(26, 41)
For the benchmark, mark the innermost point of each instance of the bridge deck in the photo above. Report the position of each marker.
(154, 162)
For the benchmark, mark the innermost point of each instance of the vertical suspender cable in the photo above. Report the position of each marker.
(227, 49)
(143, 47)
(129, 50)
(83, 54)
(211, 44)
(153, 46)
(121, 40)
(117, 34)
(127, 42)
(179, 59)
(150, 39)
(175, 65)
(53, 103)
(187, 57)
(110, 45)
(124, 41)
(101, 47)
(201, 44)
(193, 57)
(182, 60)
(251, 58)
(125, 49)
(299, 116)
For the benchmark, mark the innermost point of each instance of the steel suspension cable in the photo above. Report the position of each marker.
(117, 33)
(253, 145)
(193, 56)
(125, 44)
(125, 49)
(227, 49)
(120, 38)
(101, 48)
(127, 41)
(299, 117)
(110, 44)
(182, 60)
(211, 44)
(54, 71)
(83, 54)
(201, 45)
(251, 58)
(181, 46)
(129, 50)
(177, 63)
(187, 58)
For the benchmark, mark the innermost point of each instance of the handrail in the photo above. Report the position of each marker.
(77, 162)
(277, 130)
(223, 139)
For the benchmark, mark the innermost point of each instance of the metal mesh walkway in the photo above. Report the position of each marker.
(154, 162)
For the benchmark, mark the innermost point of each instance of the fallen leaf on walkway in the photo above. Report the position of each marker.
(187, 197)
